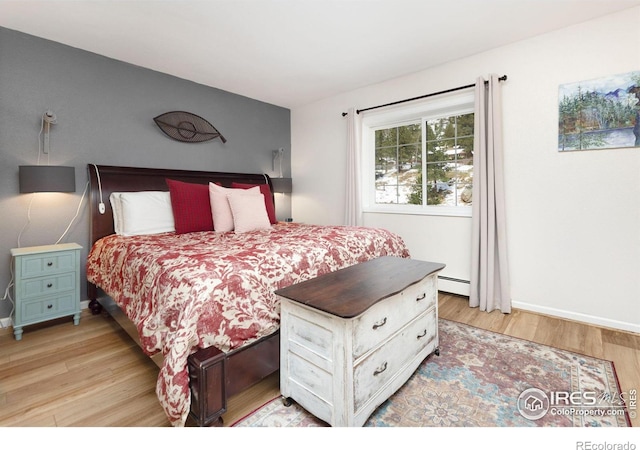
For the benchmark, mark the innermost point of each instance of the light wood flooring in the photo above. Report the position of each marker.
(60, 375)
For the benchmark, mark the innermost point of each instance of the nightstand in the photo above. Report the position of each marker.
(47, 284)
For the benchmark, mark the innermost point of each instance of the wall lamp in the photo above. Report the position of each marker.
(277, 156)
(47, 179)
(282, 185)
(48, 118)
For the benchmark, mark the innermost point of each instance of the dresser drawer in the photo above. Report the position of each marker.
(40, 309)
(37, 287)
(49, 263)
(378, 368)
(385, 318)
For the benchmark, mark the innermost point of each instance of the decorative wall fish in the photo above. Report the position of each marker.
(186, 127)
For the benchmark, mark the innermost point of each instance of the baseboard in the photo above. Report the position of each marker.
(461, 287)
(5, 322)
(578, 317)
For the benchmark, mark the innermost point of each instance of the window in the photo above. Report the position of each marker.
(420, 159)
(398, 154)
(449, 149)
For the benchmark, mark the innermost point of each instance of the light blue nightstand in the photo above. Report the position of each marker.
(47, 284)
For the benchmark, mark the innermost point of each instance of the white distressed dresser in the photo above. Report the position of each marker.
(351, 338)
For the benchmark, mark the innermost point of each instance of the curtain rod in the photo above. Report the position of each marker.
(358, 111)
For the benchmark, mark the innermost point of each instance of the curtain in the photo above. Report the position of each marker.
(489, 265)
(353, 212)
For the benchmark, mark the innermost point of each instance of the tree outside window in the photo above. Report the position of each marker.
(447, 153)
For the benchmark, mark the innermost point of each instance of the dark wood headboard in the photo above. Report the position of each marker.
(107, 179)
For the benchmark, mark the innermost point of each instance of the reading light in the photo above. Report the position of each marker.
(49, 118)
(47, 179)
(282, 185)
(277, 156)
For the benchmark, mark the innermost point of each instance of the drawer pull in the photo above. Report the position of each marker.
(420, 336)
(421, 298)
(50, 263)
(49, 306)
(49, 285)
(380, 369)
(379, 324)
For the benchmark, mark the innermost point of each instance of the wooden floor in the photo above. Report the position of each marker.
(94, 375)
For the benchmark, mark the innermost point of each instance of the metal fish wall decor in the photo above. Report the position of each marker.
(186, 127)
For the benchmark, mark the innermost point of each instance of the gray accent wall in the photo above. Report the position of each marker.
(105, 110)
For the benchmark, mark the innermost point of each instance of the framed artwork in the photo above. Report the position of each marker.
(603, 113)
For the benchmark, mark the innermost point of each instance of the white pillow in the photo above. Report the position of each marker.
(145, 212)
(116, 209)
(220, 209)
(249, 212)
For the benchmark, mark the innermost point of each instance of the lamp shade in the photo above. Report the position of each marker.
(282, 185)
(47, 179)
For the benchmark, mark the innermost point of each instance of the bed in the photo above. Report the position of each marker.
(201, 302)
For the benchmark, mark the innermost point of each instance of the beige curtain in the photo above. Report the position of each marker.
(353, 212)
(489, 265)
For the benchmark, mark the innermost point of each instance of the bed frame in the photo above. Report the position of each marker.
(215, 376)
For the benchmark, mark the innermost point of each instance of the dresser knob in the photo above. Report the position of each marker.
(379, 324)
(420, 336)
(49, 285)
(49, 264)
(49, 306)
(380, 369)
(421, 298)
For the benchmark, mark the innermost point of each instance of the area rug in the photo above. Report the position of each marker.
(486, 379)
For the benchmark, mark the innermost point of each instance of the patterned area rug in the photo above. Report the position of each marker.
(485, 379)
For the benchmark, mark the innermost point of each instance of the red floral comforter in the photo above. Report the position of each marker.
(196, 290)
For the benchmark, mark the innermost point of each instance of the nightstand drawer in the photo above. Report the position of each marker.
(48, 308)
(38, 265)
(36, 287)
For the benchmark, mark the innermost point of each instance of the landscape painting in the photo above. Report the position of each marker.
(603, 113)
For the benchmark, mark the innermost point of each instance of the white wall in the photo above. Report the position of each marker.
(573, 219)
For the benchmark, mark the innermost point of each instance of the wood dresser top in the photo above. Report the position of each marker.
(351, 291)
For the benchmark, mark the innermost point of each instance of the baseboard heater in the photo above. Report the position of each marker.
(455, 280)
(454, 285)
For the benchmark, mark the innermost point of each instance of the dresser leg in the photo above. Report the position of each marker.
(437, 351)
(17, 332)
(287, 401)
(76, 318)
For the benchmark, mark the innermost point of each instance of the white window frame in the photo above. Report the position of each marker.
(457, 103)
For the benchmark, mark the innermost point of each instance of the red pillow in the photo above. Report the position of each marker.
(191, 206)
(268, 198)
